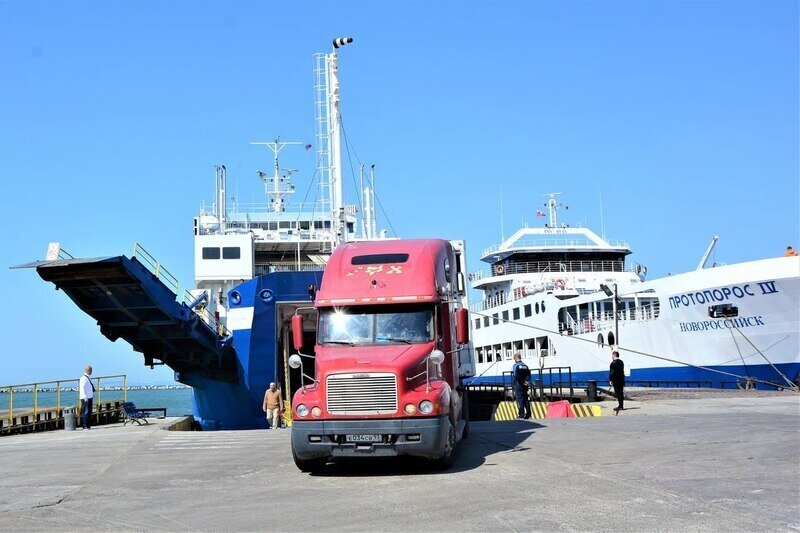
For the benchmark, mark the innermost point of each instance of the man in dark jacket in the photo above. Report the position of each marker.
(522, 377)
(616, 376)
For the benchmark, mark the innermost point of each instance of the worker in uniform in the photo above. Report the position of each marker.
(790, 252)
(616, 376)
(522, 377)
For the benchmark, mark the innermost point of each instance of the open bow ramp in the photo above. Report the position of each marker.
(130, 302)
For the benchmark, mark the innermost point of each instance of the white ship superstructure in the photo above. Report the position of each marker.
(563, 296)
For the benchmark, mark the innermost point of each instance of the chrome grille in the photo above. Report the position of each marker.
(362, 394)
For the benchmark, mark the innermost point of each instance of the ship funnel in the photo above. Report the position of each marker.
(341, 41)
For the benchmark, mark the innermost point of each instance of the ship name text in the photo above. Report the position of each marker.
(722, 294)
(728, 323)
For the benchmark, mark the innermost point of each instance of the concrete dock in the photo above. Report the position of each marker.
(701, 464)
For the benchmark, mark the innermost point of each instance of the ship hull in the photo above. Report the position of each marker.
(679, 344)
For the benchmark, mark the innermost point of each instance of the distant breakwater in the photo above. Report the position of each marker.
(18, 390)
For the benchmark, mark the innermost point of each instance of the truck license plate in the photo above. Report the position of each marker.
(363, 438)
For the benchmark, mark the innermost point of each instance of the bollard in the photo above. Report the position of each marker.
(69, 420)
(591, 390)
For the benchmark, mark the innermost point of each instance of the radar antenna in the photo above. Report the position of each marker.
(277, 186)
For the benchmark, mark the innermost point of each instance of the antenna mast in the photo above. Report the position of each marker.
(553, 206)
(277, 186)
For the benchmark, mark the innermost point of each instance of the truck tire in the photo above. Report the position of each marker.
(446, 460)
(309, 465)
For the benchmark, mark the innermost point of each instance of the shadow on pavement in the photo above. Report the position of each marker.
(485, 439)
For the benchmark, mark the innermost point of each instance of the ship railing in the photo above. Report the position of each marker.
(543, 267)
(27, 406)
(155, 267)
(558, 242)
(303, 266)
(205, 315)
(605, 321)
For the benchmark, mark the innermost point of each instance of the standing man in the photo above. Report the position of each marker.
(86, 393)
(522, 376)
(272, 406)
(616, 376)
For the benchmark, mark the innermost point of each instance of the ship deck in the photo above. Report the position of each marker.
(666, 464)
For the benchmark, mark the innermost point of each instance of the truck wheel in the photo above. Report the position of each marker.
(309, 465)
(446, 460)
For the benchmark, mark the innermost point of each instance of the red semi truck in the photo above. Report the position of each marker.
(392, 348)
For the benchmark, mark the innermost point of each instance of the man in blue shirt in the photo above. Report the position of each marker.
(522, 377)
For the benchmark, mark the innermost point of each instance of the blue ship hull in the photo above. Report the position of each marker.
(219, 405)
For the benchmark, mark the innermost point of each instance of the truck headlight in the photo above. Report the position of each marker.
(316, 412)
(410, 409)
(302, 411)
(425, 407)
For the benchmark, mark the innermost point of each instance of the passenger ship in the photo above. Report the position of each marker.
(565, 297)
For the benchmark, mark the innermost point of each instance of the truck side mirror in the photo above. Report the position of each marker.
(462, 326)
(297, 332)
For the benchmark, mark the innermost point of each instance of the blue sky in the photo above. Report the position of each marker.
(112, 117)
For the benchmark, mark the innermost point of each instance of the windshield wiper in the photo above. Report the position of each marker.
(392, 339)
(346, 343)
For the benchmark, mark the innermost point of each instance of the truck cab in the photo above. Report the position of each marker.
(392, 348)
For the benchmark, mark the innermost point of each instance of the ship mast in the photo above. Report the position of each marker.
(277, 186)
(553, 206)
(329, 142)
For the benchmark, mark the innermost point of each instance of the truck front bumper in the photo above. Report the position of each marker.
(421, 437)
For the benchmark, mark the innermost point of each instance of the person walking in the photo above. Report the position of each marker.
(272, 406)
(86, 394)
(790, 252)
(522, 377)
(616, 376)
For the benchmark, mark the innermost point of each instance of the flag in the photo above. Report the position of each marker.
(540, 214)
(308, 147)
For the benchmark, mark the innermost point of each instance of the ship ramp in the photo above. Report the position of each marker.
(135, 299)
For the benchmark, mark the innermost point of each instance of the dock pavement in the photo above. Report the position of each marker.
(705, 464)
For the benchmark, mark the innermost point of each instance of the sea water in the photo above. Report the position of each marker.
(178, 402)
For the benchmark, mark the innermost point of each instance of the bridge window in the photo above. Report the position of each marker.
(515, 313)
(210, 253)
(527, 309)
(505, 316)
(231, 252)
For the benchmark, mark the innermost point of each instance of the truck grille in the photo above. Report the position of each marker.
(362, 394)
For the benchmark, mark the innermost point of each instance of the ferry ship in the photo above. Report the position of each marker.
(256, 266)
(564, 297)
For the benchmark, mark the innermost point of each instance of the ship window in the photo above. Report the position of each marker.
(477, 323)
(505, 316)
(305, 224)
(317, 224)
(479, 353)
(284, 224)
(537, 308)
(378, 259)
(542, 306)
(231, 252)
(486, 321)
(515, 313)
(272, 225)
(494, 319)
(611, 338)
(527, 309)
(327, 224)
(210, 253)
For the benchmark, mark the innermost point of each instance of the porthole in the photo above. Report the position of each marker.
(236, 298)
(611, 338)
(542, 306)
(537, 308)
(265, 295)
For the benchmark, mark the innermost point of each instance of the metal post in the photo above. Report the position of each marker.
(616, 318)
(124, 387)
(58, 397)
(97, 405)
(10, 406)
(35, 400)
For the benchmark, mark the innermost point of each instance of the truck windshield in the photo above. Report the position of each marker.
(390, 324)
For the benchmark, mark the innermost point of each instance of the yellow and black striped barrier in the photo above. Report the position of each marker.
(508, 410)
